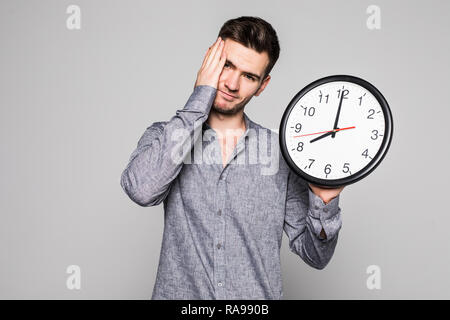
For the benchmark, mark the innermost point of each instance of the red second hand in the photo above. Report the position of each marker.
(310, 134)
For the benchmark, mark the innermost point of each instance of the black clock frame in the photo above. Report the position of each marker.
(387, 138)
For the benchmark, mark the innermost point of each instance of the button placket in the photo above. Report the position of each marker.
(219, 238)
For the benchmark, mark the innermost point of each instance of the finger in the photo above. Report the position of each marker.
(212, 53)
(218, 55)
(215, 57)
(221, 63)
(208, 52)
(206, 57)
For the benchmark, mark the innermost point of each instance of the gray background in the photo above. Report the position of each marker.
(75, 102)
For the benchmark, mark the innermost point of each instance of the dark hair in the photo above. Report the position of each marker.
(254, 33)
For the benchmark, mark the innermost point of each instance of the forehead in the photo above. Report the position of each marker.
(246, 59)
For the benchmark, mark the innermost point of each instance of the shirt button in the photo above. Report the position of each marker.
(219, 284)
(325, 209)
(219, 245)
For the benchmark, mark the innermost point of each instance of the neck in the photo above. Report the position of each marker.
(222, 122)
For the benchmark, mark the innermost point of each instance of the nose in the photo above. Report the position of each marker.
(232, 81)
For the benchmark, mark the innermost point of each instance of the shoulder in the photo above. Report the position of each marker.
(152, 131)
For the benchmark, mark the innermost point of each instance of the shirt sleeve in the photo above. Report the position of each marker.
(158, 157)
(306, 215)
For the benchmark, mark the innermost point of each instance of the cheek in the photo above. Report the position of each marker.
(249, 89)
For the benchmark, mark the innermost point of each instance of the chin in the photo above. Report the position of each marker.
(222, 110)
(222, 104)
(228, 109)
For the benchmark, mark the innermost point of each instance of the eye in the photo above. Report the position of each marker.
(226, 65)
(250, 77)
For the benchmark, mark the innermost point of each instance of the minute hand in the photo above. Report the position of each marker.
(343, 94)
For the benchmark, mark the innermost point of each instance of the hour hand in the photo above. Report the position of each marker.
(322, 136)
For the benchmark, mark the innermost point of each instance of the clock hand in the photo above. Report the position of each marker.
(343, 94)
(310, 134)
(326, 134)
(322, 136)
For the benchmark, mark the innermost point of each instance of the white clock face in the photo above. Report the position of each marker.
(329, 146)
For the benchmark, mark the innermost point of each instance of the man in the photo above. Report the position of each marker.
(224, 218)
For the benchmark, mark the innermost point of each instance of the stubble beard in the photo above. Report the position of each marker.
(235, 109)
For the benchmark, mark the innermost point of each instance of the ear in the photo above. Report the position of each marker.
(263, 85)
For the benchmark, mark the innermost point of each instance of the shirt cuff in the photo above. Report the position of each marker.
(326, 216)
(201, 99)
(319, 209)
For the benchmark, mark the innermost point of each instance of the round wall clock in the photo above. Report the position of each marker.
(336, 131)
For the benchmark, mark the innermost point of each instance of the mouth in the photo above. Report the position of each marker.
(227, 96)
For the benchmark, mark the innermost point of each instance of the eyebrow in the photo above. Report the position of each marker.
(246, 72)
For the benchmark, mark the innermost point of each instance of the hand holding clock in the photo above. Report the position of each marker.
(326, 194)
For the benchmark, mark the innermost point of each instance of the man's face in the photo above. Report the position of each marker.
(241, 77)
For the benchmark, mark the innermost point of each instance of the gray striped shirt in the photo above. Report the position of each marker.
(223, 226)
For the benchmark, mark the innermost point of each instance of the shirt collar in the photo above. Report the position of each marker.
(248, 125)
